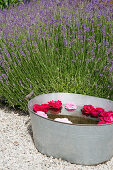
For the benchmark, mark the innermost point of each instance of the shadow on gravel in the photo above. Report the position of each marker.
(9, 109)
(29, 129)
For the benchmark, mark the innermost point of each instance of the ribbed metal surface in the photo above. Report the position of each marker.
(80, 144)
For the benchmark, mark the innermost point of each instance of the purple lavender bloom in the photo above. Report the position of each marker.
(30, 85)
(1, 80)
(107, 18)
(88, 40)
(99, 45)
(112, 61)
(99, 58)
(103, 31)
(101, 75)
(101, 87)
(74, 61)
(92, 21)
(69, 29)
(87, 29)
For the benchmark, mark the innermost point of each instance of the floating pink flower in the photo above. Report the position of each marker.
(70, 106)
(40, 113)
(55, 104)
(64, 120)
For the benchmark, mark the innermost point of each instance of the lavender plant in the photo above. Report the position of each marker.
(56, 46)
(7, 3)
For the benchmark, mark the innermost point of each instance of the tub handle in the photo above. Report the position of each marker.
(29, 95)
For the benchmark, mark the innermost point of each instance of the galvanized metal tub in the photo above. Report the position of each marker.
(76, 143)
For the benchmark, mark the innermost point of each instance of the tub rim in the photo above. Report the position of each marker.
(31, 111)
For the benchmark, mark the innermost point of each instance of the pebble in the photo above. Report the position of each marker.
(16, 143)
(17, 150)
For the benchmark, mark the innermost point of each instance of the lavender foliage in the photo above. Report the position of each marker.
(56, 46)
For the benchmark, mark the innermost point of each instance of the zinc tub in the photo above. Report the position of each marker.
(83, 144)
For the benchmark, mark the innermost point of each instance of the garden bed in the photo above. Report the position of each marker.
(56, 46)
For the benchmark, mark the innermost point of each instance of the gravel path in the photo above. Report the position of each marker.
(17, 150)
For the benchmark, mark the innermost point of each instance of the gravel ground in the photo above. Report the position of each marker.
(17, 150)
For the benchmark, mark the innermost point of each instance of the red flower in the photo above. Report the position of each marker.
(101, 123)
(54, 111)
(94, 114)
(55, 104)
(42, 107)
(106, 117)
(110, 112)
(99, 110)
(106, 114)
(87, 110)
(103, 114)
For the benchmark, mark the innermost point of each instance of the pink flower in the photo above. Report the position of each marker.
(42, 107)
(87, 110)
(70, 106)
(55, 104)
(40, 113)
(64, 120)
